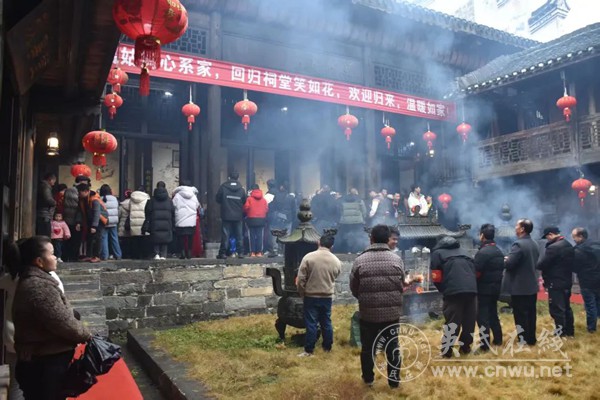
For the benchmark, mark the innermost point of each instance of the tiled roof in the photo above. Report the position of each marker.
(436, 18)
(570, 48)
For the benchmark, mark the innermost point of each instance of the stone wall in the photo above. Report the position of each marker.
(152, 294)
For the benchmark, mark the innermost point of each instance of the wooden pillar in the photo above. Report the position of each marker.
(195, 147)
(372, 169)
(213, 133)
(591, 100)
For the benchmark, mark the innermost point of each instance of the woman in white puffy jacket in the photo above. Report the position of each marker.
(110, 238)
(185, 201)
(132, 216)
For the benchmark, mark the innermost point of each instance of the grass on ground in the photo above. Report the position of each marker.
(239, 358)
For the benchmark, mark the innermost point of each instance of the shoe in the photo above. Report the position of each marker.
(94, 260)
(465, 350)
(272, 254)
(394, 385)
(252, 255)
(221, 256)
(157, 257)
(370, 384)
(163, 258)
(111, 257)
(259, 254)
(182, 257)
(426, 250)
(305, 354)
(239, 255)
(59, 259)
(84, 259)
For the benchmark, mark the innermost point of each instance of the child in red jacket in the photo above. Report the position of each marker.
(256, 208)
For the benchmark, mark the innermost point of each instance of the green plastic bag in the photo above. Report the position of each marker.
(355, 330)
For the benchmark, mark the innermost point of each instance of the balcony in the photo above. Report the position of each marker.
(546, 147)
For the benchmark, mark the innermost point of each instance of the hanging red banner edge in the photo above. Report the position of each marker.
(190, 68)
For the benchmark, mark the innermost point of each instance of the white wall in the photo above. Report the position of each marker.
(162, 165)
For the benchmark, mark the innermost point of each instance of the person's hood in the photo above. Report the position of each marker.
(187, 192)
(447, 242)
(257, 194)
(161, 194)
(139, 197)
(486, 243)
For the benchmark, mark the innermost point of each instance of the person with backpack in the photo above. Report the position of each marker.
(232, 197)
(453, 273)
(110, 233)
(91, 218)
(587, 267)
(160, 214)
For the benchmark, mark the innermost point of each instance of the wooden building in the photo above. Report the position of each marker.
(523, 136)
(378, 44)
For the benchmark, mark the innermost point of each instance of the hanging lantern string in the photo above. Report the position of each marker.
(463, 111)
(190, 93)
(245, 94)
(383, 116)
(428, 126)
(347, 110)
(564, 79)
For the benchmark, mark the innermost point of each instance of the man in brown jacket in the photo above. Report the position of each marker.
(377, 280)
(316, 284)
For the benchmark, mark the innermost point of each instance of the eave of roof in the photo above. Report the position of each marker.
(568, 49)
(446, 21)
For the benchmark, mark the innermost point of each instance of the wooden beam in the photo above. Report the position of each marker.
(78, 38)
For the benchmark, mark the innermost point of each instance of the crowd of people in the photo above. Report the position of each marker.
(471, 287)
(88, 225)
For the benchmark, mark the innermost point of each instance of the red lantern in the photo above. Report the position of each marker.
(151, 23)
(348, 122)
(463, 130)
(100, 143)
(445, 199)
(80, 170)
(566, 103)
(191, 111)
(429, 137)
(113, 101)
(388, 132)
(117, 77)
(582, 186)
(245, 109)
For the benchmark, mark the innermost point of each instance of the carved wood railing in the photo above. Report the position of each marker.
(546, 147)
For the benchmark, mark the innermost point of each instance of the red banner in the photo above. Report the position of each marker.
(215, 72)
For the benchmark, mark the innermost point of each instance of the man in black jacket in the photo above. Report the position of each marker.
(45, 205)
(557, 270)
(587, 267)
(231, 196)
(453, 274)
(520, 266)
(489, 265)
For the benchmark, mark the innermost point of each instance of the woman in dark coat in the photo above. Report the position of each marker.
(46, 331)
(159, 220)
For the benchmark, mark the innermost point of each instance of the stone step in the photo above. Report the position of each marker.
(80, 286)
(88, 302)
(73, 295)
(72, 278)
